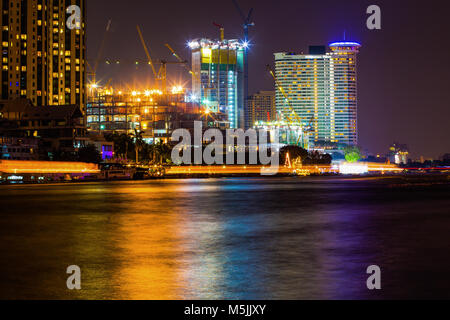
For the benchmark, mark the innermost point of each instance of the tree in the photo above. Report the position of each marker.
(123, 143)
(294, 153)
(89, 154)
(139, 142)
(352, 153)
(163, 152)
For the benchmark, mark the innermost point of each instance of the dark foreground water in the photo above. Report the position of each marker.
(236, 238)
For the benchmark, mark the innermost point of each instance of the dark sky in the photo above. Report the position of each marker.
(403, 69)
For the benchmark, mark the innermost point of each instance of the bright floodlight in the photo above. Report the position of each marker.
(192, 44)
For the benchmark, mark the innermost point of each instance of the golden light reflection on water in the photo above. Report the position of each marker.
(208, 239)
(156, 250)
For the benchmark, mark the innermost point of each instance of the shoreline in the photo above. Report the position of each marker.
(404, 177)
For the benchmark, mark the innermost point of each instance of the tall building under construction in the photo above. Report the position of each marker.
(43, 59)
(218, 78)
(321, 89)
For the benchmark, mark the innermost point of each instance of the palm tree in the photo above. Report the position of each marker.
(163, 151)
(121, 143)
(139, 142)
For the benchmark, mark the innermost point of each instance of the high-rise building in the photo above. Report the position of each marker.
(218, 79)
(43, 59)
(260, 107)
(321, 87)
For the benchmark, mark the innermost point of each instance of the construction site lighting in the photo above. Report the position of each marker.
(177, 89)
(193, 44)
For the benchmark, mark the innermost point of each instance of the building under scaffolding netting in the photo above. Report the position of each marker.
(289, 133)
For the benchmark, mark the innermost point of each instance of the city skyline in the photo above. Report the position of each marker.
(385, 115)
(153, 171)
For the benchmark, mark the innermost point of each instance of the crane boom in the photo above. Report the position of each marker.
(181, 60)
(291, 109)
(150, 61)
(102, 46)
(304, 133)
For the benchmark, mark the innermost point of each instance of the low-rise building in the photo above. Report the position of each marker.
(12, 148)
(60, 128)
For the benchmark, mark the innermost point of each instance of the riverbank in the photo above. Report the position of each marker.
(399, 178)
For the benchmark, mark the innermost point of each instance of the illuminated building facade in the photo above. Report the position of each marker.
(260, 107)
(321, 87)
(151, 112)
(218, 78)
(398, 153)
(42, 59)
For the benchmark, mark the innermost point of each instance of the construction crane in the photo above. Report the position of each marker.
(222, 30)
(246, 23)
(93, 71)
(150, 61)
(291, 116)
(182, 61)
(161, 75)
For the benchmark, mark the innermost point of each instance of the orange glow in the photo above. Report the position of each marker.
(149, 239)
(255, 169)
(17, 166)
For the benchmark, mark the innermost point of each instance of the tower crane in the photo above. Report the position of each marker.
(150, 61)
(182, 61)
(291, 116)
(93, 70)
(161, 75)
(222, 30)
(246, 24)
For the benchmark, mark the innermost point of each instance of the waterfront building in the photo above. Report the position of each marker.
(218, 78)
(42, 59)
(260, 107)
(322, 89)
(398, 153)
(59, 129)
(13, 148)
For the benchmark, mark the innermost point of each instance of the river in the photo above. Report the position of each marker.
(229, 238)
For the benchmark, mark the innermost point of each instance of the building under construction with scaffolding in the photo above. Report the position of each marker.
(151, 112)
(218, 77)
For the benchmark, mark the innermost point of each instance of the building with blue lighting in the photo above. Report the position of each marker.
(218, 78)
(322, 89)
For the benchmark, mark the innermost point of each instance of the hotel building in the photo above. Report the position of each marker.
(321, 88)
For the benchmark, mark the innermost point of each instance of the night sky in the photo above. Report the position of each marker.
(403, 69)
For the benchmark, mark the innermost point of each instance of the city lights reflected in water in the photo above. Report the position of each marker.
(237, 238)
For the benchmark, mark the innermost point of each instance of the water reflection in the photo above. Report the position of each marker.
(271, 238)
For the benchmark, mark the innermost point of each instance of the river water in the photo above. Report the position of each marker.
(230, 238)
